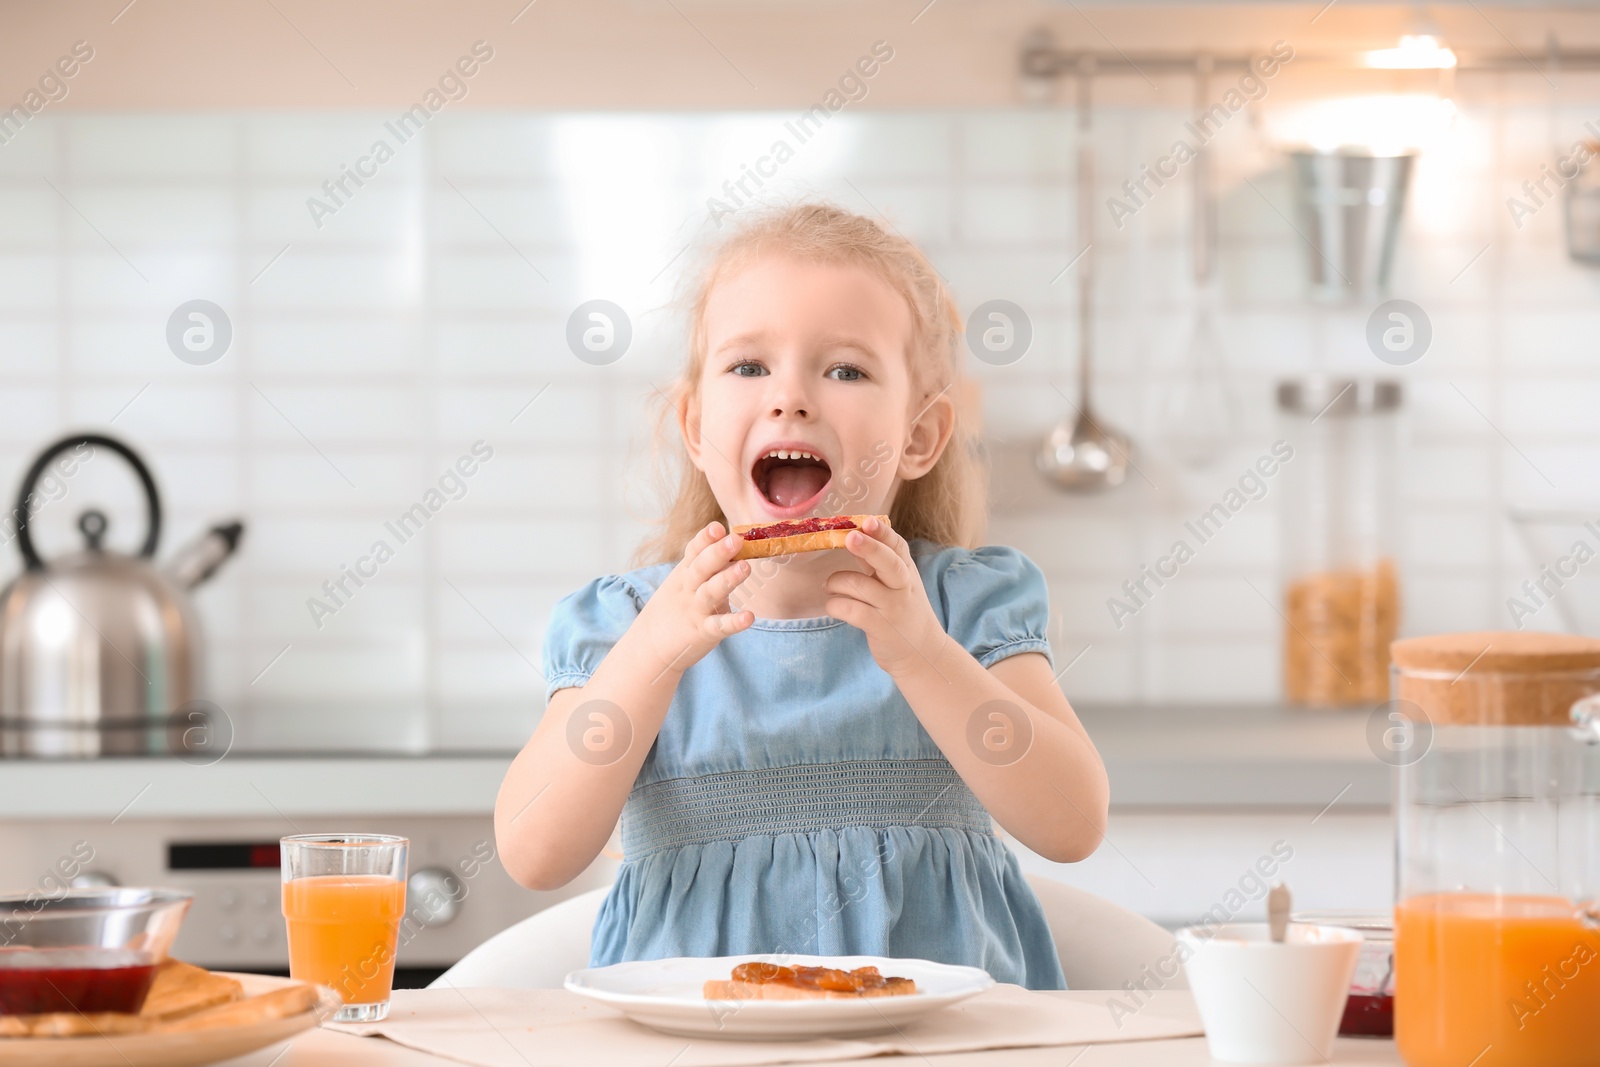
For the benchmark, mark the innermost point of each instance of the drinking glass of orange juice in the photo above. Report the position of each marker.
(343, 898)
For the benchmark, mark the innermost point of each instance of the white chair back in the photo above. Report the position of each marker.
(1101, 944)
(537, 953)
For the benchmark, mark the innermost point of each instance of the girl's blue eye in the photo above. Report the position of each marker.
(748, 370)
(845, 373)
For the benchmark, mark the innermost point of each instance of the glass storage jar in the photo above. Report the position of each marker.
(1369, 1008)
(1337, 518)
(1497, 930)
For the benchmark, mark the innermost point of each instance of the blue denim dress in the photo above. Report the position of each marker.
(793, 803)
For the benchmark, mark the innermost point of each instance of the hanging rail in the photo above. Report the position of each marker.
(1047, 61)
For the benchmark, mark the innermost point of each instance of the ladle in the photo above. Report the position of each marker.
(1085, 455)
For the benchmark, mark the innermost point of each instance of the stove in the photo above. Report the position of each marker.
(186, 829)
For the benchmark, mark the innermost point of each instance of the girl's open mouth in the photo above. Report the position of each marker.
(791, 480)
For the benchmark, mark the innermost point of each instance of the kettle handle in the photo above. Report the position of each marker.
(152, 536)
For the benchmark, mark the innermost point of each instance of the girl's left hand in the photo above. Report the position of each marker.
(888, 603)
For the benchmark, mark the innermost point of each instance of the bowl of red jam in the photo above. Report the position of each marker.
(84, 950)
(1369, 1010)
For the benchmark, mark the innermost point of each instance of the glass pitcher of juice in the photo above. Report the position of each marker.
(1497, 926)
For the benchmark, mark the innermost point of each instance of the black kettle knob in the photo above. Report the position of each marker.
(93, 524)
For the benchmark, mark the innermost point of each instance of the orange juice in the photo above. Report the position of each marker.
(1495, 981)
(342, 932)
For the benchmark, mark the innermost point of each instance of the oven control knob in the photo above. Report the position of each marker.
(434, 896)
(95, 880)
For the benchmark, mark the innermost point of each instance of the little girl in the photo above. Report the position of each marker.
(808, 753)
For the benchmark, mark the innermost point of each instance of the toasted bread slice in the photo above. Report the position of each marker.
(788, 544)
(278, 1004)
(737, 990)
(72, 1024)
(182, 988)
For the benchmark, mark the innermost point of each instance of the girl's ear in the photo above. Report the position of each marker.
(689, 425)
(927, 437)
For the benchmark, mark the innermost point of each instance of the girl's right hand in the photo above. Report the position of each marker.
(689, 614)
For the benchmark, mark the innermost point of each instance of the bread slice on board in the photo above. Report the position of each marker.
(278, 1004)
(182, 988)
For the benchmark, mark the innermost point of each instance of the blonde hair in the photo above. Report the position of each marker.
(945, 505)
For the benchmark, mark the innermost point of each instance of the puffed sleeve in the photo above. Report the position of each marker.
(993, 600)
(583, 627)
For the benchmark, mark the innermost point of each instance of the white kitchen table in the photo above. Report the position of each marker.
(324, 1048)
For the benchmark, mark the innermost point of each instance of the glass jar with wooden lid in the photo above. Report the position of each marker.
(1496, 737)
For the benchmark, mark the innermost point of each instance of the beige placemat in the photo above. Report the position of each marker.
(555, 1028)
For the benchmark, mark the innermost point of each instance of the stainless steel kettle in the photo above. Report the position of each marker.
(100, 652)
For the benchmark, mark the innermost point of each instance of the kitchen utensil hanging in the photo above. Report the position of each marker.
(1197, 409)
(1084, 454)
(1350, 203)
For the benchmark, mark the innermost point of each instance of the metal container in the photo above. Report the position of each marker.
(99, 651)
(1350, 205)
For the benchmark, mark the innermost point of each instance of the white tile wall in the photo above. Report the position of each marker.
(370, 353)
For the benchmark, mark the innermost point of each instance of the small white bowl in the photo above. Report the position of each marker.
(1266, 1002)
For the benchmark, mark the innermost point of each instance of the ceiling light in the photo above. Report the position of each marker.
(1383, 124)
(1419, 51)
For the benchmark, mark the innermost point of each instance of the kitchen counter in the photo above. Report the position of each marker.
(255, 784)
(1210, 756)
(1158, 758)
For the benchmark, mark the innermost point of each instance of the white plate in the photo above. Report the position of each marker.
(192, 1049)
(665, 995)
